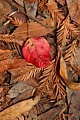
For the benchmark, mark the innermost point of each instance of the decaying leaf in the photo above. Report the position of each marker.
(11, 63)
(18, 109)
(20, 2)
(32, 29)
(4, 12)
(74, 9)
(37, 51)
(51, 114)
(63, 73)
(20, 87)
(54, 21)
(75, 104)
(63, 68)
(31, 8)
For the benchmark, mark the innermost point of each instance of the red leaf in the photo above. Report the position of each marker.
(37, 51)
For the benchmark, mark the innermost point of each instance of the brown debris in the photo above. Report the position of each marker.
(26, 91)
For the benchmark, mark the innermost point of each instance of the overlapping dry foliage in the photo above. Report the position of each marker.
(52, 20)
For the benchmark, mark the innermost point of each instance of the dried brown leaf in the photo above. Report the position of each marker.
(31, 8)
(20, 2)
(23, 96)
(18, 109)
(30, 1)
(17, 89)
(4, 10)
(63, 73)
(32, 29)
(63, 68)
(11, 63)
(74, 10)
(51, 22)
(52, 113)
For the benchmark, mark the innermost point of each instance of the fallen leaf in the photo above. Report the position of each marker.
(63, 68)
(5, 9)
(11, 63)
(74, 106)
(64, 75)
(74, 10)
(18, 109)
(52, 113)
(18, 88)
(32, 29)
(20, 2)
(31, 8)
(37, 51)
(23, 96)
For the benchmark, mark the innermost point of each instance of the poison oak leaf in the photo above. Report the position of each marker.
(37, 51)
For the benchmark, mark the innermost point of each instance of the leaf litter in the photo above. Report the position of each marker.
(29, 91)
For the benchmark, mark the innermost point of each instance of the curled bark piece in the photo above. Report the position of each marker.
(63, 73)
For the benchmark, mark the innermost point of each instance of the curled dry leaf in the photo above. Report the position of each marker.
(37, 51)
(18, 109)
(63, 68)
(64, 75)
